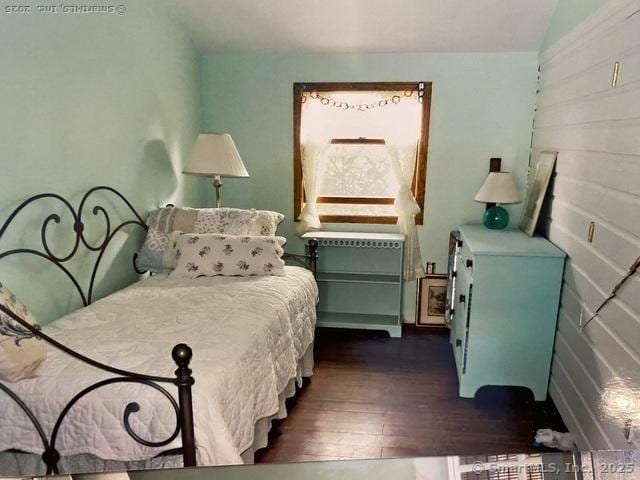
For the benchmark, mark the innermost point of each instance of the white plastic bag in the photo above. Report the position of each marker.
(552, 439)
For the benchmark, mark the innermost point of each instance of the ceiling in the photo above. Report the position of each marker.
(360, 26)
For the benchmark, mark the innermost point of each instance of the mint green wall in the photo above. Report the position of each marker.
(568, 14)
(89, 99)
(482, 106)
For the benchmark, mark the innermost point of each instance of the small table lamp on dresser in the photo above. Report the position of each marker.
(498, 188)
(215, 155)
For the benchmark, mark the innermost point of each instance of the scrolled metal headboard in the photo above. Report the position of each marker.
(79, 238)
(22, 330)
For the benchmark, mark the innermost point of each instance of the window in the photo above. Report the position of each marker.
(352, 128)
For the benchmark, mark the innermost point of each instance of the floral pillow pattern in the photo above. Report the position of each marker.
(266, 223)
(231, 221)
(156, 254)
(21, 352)
(215, 254)
(236, 221)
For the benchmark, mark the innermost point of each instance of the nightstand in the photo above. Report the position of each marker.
(360, 280)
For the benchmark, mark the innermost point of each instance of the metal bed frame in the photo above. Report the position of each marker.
(181, 353)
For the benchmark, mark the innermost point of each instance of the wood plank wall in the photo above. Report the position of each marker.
(595, 128)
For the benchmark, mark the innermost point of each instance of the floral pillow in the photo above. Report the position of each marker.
(157, 254)
(266, 223)
(21, 352)
(213, 254)
(236, 221)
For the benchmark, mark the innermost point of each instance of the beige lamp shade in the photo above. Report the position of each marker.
(498, 188)
(215, 154)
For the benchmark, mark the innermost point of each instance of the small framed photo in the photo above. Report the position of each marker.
(431, 302)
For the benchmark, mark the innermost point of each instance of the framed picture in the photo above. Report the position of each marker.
(431, 301)
(539, 181)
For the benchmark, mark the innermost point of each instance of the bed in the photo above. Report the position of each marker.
(252, 339)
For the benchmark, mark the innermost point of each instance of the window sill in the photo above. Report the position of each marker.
(362, 219)
(359, 219)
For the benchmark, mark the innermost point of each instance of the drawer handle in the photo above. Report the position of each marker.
(469, 263)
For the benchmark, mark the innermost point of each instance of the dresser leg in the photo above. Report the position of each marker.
(466, 391)
(540, 393)
(395, 332)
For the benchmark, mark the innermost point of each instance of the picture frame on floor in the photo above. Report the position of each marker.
(431, 301)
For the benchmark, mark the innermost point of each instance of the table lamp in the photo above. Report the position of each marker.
(215, 155)
(498, 188)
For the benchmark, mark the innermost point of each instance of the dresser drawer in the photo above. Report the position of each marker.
(505, 314)
(461, 316)
(465, 259)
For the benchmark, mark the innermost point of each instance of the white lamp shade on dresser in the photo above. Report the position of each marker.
(215, 154)
(498, 187)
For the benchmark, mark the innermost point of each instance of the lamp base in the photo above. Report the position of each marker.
(217, 184)
(496, 218)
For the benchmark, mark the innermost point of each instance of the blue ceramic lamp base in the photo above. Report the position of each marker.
(496, 218)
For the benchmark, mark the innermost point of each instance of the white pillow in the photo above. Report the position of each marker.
(20, 352)
(213, 254)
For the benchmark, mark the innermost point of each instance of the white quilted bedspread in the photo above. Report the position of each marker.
(247, 335)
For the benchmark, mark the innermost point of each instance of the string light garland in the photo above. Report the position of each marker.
(361, 107)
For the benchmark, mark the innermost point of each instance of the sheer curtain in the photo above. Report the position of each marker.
(404, 163)
(312, 171)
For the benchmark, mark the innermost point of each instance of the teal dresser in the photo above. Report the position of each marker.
(360, 280)
(503, 308)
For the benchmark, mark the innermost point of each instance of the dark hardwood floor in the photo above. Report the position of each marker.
(376, 397)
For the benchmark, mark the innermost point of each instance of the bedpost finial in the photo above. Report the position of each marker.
(51, 457)
(182, 355)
